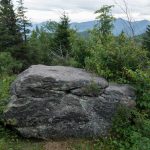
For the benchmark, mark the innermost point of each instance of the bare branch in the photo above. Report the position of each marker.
(125, 10)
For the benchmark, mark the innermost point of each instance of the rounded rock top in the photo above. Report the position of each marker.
(63, 73)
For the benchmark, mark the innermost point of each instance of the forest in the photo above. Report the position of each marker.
(122, 59)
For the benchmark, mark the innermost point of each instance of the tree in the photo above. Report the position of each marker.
(105, 22)
(79, 49)
(9, 30)
(41, 43)
(62, 43)
(112, 56)
(146, 39)
(23, 22)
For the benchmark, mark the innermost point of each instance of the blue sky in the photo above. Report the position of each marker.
(83, 10)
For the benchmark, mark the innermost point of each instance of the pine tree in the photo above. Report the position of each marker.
(9, 30)
(105, 22)
(23, 22)
(146, 39)
(62, 35)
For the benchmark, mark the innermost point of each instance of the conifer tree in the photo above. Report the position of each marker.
(146, 40)
(105, 22)
(23, 22)
(62, 35)
(9, 30)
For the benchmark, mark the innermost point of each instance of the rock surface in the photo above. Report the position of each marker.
(64, 102)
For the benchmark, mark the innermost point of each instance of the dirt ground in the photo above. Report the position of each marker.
(67, 145)
(63, 145)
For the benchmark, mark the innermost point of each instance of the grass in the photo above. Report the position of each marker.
(101, 144)
(13, 142)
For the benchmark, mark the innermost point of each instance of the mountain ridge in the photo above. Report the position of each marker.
(120, 25)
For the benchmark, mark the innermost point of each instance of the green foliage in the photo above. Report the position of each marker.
(112, 60)
(13, 30)
(43, 44)
(105, 25)
(131, 130)
(141, 80)
(5, 82)
(25, 55)
(22, 20)
(40, 43)
(61, 38)
(92, 89)
(79, 49)
(8, 64)
(9, 30)
(146, 40)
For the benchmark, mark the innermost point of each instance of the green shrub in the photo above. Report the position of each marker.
(131, 130)
(112, 60)
(141, 80)
(8, 64)
(5, 82)
(92, 89)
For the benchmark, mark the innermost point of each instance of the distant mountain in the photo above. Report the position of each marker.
(119, 26)
(83, 26)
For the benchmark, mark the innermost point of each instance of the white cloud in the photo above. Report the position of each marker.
(83, 10)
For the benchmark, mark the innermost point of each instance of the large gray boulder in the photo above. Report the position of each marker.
(64, 102)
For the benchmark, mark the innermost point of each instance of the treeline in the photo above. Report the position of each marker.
(56, 44)
(13, 37)
(121, 59)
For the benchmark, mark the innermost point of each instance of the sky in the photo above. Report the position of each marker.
(83, 10)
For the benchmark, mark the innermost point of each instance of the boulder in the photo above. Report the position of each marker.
(51, 102)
